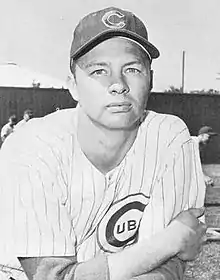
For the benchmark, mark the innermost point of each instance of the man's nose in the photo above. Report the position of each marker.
(118, 86)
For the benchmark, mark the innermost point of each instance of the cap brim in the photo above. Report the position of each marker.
(213, 133)
(151, 49)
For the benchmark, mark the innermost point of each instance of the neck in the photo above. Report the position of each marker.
(105, 148)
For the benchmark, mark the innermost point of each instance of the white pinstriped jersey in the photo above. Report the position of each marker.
(54, 202)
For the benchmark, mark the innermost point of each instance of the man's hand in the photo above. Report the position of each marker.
(208, 181)
(193, 233)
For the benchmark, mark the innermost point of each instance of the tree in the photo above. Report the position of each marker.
(173, 89)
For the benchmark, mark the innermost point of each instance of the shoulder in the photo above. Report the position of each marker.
(19, 124)
(195, 139)
(46, 133)
(164, 124)
(164, 133)
(59, 122)
(5, 127)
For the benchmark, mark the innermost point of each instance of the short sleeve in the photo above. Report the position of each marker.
(34, 220)
(4, 131)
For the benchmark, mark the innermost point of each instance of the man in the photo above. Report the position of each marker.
(201, 141)
(8, 128)
(103, 191)
(28, 114)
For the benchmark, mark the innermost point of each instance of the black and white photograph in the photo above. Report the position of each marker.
(110, 140)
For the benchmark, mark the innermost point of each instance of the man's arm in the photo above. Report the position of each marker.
(173, 269)
(3, 134)
(183, 237)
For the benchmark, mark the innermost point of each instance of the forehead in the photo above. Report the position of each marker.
(206, 134)
(116, 48)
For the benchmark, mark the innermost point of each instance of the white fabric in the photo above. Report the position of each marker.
(20, 124)
(54, 202)
(6, 130)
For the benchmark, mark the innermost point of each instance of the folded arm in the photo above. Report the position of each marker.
(132, 262)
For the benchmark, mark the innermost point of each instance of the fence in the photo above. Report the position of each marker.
(195, 109)
(41, 101)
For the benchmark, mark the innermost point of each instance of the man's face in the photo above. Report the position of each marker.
(205, 138)
(113, 83)
(12, 122)
(28, 116)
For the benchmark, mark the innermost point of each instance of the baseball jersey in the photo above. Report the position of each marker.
(195, 143)
(20, 124)
(6, 130)
(54, 202)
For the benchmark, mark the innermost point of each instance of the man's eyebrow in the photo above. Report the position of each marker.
(134, 62)
(94, 63)
(102, 64)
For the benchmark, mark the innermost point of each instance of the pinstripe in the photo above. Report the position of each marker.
(53, 241)
(27, 236)
(36, 217)
(146, 138)
(163, 202)
(118, 180)
(97, 216)
(183, 162)
(177, 135)
(14, 210)
(58, 211)
(58, 215)
(93, 206)
(197, 187)
(81, 204)
(130, 174)
(189, 175)
(145, 147)
(174, 188)
(44, 195)
(156, 152)
(65, 246)
(71, 168)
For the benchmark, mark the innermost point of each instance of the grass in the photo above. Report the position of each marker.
(207, 264)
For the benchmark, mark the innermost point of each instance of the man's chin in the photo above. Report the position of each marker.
(120, 125)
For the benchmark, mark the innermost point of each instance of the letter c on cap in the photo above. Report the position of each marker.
(107, 19)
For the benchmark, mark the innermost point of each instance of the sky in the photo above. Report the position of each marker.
(37, 34)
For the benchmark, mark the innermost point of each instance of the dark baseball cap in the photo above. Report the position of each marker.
(110, 22)
(207, 130)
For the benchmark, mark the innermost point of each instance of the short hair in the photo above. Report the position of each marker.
(13, 118)
(28, 112)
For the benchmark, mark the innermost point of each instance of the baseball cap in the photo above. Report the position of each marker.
(104, 24)
(207, 130)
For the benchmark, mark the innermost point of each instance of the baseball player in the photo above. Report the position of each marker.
(103, 191)
(205, 134)
(8, 128)
(28, 115)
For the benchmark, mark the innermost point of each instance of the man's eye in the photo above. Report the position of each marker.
(132, 70)
(99, 72)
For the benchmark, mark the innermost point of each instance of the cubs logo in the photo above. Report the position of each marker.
(119, 227)
(113, 19)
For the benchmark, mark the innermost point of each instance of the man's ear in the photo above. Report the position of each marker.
(71, 86)
(151, 79)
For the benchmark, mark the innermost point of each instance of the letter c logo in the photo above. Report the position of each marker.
(108, 19)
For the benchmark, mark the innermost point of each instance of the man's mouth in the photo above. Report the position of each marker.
(119, 107)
